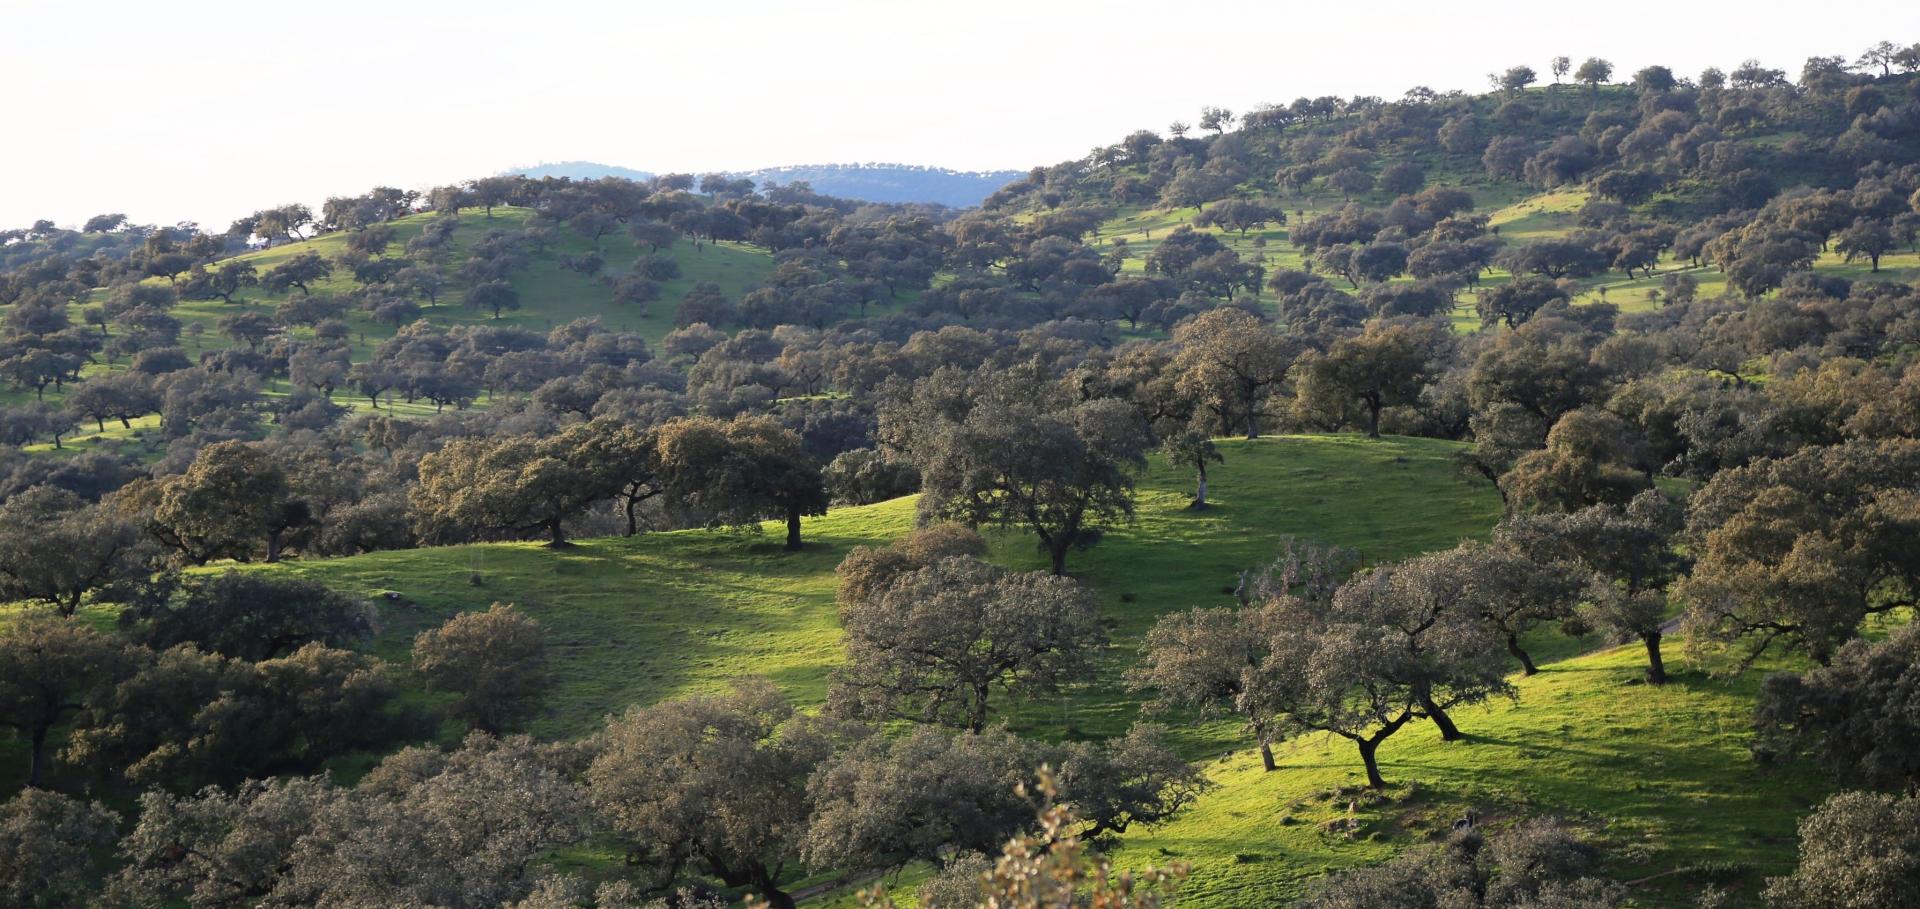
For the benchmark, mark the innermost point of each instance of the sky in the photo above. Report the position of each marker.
(205, 110)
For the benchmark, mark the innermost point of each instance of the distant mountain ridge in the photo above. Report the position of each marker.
(871, 182)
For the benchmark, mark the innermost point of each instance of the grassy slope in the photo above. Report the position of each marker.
(1661, 774)
(553, 296)
(639, 619)
(1520, 215)
(549, 295)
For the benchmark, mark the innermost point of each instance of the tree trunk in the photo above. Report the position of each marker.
(1526, 661)
(1372, 761)
(793, 529)
(1058, 553)
(977, 711)
(768, 889)
(1266, 757)
(36, 774)
(1373, 420)
(556, 535)
(1448, 731)
(1253, 422)
(1656, 666)
(273, 546)
(1200, 488)
(633, 522)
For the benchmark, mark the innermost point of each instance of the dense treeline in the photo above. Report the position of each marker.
(1748, 460)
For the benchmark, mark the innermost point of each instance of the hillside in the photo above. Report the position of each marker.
(550, 294)
(1521, 215)
(641, 619)
(1664, 777)
(1625, 359)
(648, 617)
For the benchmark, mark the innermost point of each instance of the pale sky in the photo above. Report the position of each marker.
(208, 109)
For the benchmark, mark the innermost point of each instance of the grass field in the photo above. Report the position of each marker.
(637, 619)
(1660, 775)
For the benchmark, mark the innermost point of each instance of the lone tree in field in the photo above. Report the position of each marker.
(299, 271)
(1516, 79)
(718, 782)
(1230, 363)
(936, 642)
(48, 667)
(1191, 448)
(625, 456)
(1593, 72)
(1386, 365)
(1354, 680)
(1436, 610)
(1059, 474)
(1204, 659)
(741, 472)
(1507, 588)
(494, 661)
(1516, 301)
(1868, 238)
(223, 283)
(122, 396)
(515, 485)
(1384, 649)
(496, 296)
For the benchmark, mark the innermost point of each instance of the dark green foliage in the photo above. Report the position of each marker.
(1859, 715)
(248, 616)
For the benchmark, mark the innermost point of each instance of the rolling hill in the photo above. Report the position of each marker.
(1662, 776)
